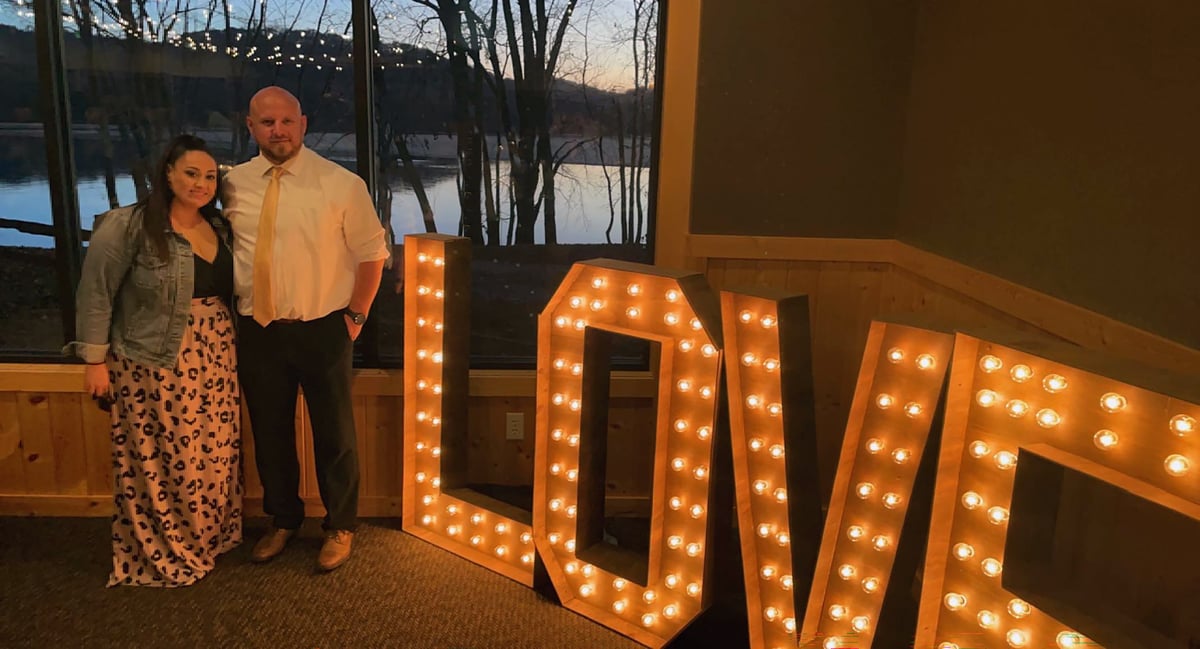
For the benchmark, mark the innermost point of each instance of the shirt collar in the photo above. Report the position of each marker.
(294, 166)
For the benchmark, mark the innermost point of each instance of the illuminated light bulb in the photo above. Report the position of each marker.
(572, 475)
(437, 357)
(837, 612)
(703, 432)
(671, 580)
(847, 571)
(832, 642)
(1176, 464)
(681, 425)
(991, 567)
(875, 445)
(767, 572)
(649, 596)
(436, 451)
(422, 384)
(527, 558)
(978, 449)
(1047, 418)
(771, 364)
(634, 289)
(436, 421)
(864, 490)
(562, 321)
(706, 392)
(422, 354)
(1005, 460)
(696, 324)
(575, 302)
(437, 389)
(598, 282)
(686, 345)
(997, 515)
(588, 570)
(860, 623)
(670, 611)
(1017, 638)
(901, 455)
(476, 540)
(986, 398)
(767, 321)
(892, 500)
(1113, 402)
(586, 590)
(1182, 424)
(439, 262)
(675, 542)
(895, 354)
(427, 500)
(1069, 639)
(422, 257)
(748, 359)
(558, 398)
(760, 486)
(693, 589)
(560, 363)
(954, 601)
(708, 350)
(421, 322)
(675, 502)
(1021, 373)
(672, 295)
(421, 446)
(700, 472)
(1016, 408)
(423, 290)
(855, 532)
(972, 500)
(913, 409)
(684, 385)
(694, 549)
(963, 551)
(580, 325)
(754, 401)
(880, 542)
(619, 584)
(774, 409)
(620, 605)
(501, 550)
(439, 294)
(454, 530)
(785, 582)
(926, 362)
(885, 401)
(1054, 383)
(573, 439)
(1019, 608)
(633, 312)
(671, 318)
(569, 544)
(428, 520)
(1104, 439)
(420, 476)
(556, 434)
(476, 518)
(577, 369)
(756, 444)
(678, 464)
(781, 495)
(745, 316)
(556, 504)
(987, 619)
(435, 482)
(789, 624)
(777, 451)
(696, 511)
(526, 537)
(765, 529)
(571, 510)
(870, 585)
(990, 364)
(555, 537)
(575, 405)
(648, 620)
(783, 538)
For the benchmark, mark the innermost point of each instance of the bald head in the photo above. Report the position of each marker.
(276, 123)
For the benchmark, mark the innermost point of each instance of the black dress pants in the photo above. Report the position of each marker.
(316, 356)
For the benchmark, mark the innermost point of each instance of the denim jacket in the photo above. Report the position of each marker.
(129, 299)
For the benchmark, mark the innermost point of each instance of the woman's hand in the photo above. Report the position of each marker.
(95, 380)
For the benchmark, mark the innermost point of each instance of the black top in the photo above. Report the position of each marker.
(215, 279)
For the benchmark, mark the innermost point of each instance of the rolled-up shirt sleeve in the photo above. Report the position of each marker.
(365, 237)
(108, 258)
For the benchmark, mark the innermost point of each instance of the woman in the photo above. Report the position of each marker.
(156, 332)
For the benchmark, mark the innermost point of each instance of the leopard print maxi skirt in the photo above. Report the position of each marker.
(176, 448)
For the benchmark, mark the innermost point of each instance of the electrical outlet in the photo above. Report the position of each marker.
(514, 425)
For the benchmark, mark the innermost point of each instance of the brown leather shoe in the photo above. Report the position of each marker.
(336, 549)
(271, 544)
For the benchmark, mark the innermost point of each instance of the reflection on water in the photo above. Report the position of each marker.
(582, 191)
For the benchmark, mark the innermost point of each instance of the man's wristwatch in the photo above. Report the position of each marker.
(355, 317)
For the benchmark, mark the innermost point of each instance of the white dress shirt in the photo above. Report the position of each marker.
(324, 227)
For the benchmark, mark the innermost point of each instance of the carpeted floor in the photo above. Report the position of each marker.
(396, 591)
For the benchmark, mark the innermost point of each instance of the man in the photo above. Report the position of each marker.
(308, 255)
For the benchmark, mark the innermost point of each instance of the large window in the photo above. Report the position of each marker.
(526, 126)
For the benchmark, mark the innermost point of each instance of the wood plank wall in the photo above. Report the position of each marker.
(54, 455)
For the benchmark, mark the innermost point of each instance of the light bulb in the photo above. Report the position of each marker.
(1020, 373)
(860, 623)
(1176, 464)
(864, 490)
(686, 345)
(575, 302)
(745, 316)
(648, 620)
(675, 542)
(947, 645)
(708, 350)
(753, 401)
(555, 468)
(991, 567)
(633, 312)
(771, 364)
(880, 542)
(783, 538)
(1182, 424)
(870, 584)
(598, 282)
(972, 500)
(619, 584)
(572, 475)
(703, 432)
(892, 500)
(586, 590)
(978, 449)
(649, 596)
(781, 494)
(596, 305)
(855, 532)
(681, 425)
(774, 409)
(954, 601)
(789, 624)
(675, 502)
(760, 486)
(767, 572)
(670, 611)
(671, 318)
(1005, 460)
(837, 612)
(1105, 439)
(776, 451)
(785, 582)
(926, 362)
(997, 515)
(1069, 639)
(990, 364)
(1017, 638)
(885, 401)
(1016, 408)
(901, 455)
(895, 354)
(695, 324)
(986, 398)
(422, 257)
(1054, 383)
(556, 434)
(706, 392)
(1047, 418)
(846, 571)
(767, 321)
(764, 530)
(684, 385)
(875, 445)
(696, 511)
(620, 605)
(748, 359)
(1113, 402)
(672, 295)
(571, 511)
(963, 551)
(1019, 608)
(693, 589)
(756, 444)
(671, 580)
(912, 409)
(700, 472)
(987, 619)
(634, 289)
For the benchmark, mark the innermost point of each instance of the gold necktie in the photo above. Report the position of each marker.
(264, 292)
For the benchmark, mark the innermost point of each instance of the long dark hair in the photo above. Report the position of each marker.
(155, 206)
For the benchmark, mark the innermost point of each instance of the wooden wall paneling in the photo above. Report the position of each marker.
(33, 413)
(491, 457)
(630, 473)
(365, 468)
(12, 457)
(905, 292)
(97, 447)
(383, 451)
(66, 437)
